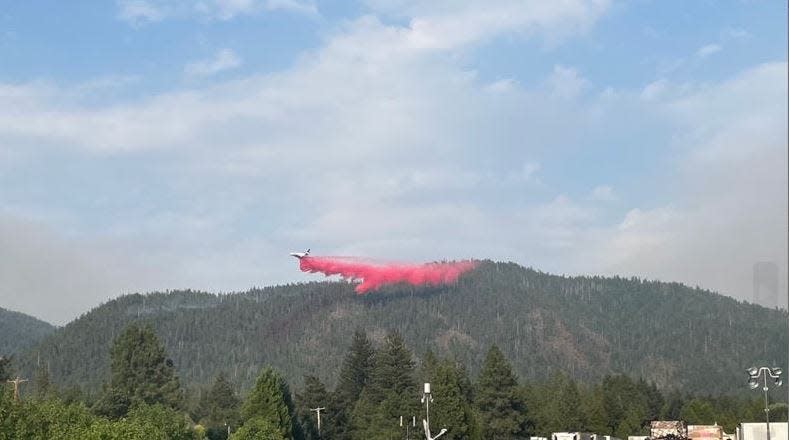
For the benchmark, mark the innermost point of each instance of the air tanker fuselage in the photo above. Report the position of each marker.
(300, 255)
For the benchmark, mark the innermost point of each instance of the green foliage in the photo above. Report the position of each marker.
(219, 406)
(258, 428)
(499, 403)
(42, 384)
(5, 368)
(354, 375)
(313, 395)
(141, 373)
(698, 412)
(51, 419)
(626, 404)
(43, 420)
(452, 409)
(19, 332)
(584, 327)
(270, 400)
(390, 393)
(594, 410)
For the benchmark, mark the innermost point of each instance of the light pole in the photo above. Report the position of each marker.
(427, 397)
(753, 382)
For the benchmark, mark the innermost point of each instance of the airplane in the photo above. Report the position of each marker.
(300, 255)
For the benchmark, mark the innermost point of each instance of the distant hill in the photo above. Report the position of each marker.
(587, 327)
(19, 332)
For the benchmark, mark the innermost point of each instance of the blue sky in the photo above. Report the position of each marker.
(160, 144)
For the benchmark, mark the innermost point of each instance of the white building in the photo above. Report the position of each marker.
(758, 431)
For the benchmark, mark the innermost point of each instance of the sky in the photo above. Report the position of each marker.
(167, 144)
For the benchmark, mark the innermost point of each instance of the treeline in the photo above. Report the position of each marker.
(379, 385)
(584, 327)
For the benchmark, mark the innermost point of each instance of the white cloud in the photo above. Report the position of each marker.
(729, 189)
(223, 60)
(708, 49)
(300, 7)
(603, 193)
(373, 145)
(735, 34)
(138, 12)
(450, 25)
(313, 151)
(566, 83)
(654, 90)
(227, 9)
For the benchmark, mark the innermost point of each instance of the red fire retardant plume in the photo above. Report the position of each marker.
(373, 276)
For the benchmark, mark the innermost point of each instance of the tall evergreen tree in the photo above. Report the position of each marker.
(313, 395)
(502, 412)
(451, 410)
(570, 412)
(625, 405)
(141, 373)
(5, 368)
(390, 394)
(41, 382)
(594, 411)
(270, 400)
(672, 406)
(220, 407)
(354, 375)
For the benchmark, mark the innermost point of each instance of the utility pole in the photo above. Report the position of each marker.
(318, 412)
(16, 383)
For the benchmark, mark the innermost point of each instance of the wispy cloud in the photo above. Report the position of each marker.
(138, 12)
(374, 144)
(603, 193)
(708, 49)
(223, 60)
(300, 7)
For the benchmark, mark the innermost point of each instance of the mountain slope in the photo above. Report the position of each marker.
(585, 326)
(19, 331)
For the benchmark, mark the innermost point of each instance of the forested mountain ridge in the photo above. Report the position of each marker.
(19, 331)
(587, 327)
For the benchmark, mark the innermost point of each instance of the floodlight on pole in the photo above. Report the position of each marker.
(765, 372)
(427, 397)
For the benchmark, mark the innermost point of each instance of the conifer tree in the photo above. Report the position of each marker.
(354, 375)
(390, 393)
(625, 406)
(451, 409)
(41, 382)
(270, 400)
(502, 412)
(570, 413)
(5, 368)
(672, 406)
(313, 395)
(141, 373)
(594, 411)
(220, 407)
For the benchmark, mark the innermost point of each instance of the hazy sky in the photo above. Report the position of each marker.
(164, 144)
